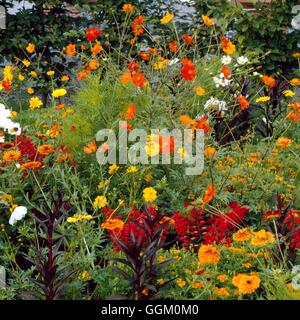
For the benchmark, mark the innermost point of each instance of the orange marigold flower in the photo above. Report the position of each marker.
(126, 78)
(70, 50)
(127, 8)
(243, 102)
(283, 142)
(96, 49)
(65, 157)
(227, 46)
(295, 82)
(113, 224)
(31, 165)
(54, 131)
(92, 33)
(139, 80)
(209, 194)
(130, 113)
(137, 26)
(210, 152)
(91, 147)
(246, 284)
(208, 254)
(81, 75)
(94, 64)
(188, 39)
(6, 85)
(241, 235)
(45, 149)
(173, 46)
(12, 155)
(269, 81)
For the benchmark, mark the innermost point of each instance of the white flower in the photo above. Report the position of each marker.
(4, 113)
(215, 104)
(15, 129)
(18, 214)
(221, 81)
(226, 59)
(2, 139)
(173, 61)
(242, 60)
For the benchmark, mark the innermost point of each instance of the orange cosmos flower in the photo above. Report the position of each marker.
(94, 64)
(244, 104)
(210, 152)
(127, 8)
(70, 50)
(202, 125)
(12, 155)
(91, 147)
(130, 113)
(188, 39)
(269, 81)
(188, 70)
(113, 224)
(81, 75)
(226, 72)
(54, 130)
(65, 157)
(209, 194)
(96, 49)
(45, 149)
(31, 165)
(295, 82)
(139, 80)
(208, 254)
(126, 78)
(227, 46)
(6, 85)
(137, 26)
(173, 46)
(133, 67)
(30, 48)
(187, 120)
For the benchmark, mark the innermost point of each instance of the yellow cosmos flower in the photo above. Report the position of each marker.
(241, 235)
(113, 169)
(59, 93)
(168, 17)
(30, 90)
(149, 194)
(132, 169)
(262, 237)
(288, 93)
(79, 217)
(21, 77)
(100, 202)
(160, 64)
(33, 74)
(26, 63)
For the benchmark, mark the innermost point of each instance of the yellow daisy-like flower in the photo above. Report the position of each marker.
(50, 73)
(199, 91)
(35, 103)
(84, 276)
(208, 254)
(168, 17)
(262, 238)
(100, 202)
(79, 217)
(241, 235)
(263, 99)
(33, 74)
(59, 93)
(284, 142)
(181, 283)
(30, 90)
(160, 64)
(132, 169)
(103, 184)
(149, 194)
(152, 147)
(113, 169)
(26, 63)
(246, 284)
(65, 78)
(21, 77)
(288, 93)
(222, 277)
(221, 292)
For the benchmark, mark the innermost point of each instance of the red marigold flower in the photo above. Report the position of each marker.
(243, 102)
(188, 39)
(137, 26)
(92, 33)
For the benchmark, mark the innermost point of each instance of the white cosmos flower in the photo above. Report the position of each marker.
(226, 59)
(215, 104)
(18, 214)
(242, 60)
(4, 113)
(173, 61)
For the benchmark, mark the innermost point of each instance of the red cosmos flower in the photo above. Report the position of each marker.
(137, 26)
(133, 67)
(6, 85)
(188, 39)
(92, 33)
(243, 102)
(130, 113)
(139, 80)
(226, 72)
(173, 46)
(188, 70)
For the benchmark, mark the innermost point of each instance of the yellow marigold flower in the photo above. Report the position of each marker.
(35, 103)
(30, 48)
(127, 8)
(30, 90)
(241, 235)
(65, 78)
(199, 91)
(208, 254)
(33, 74)
(222, 277)
(149, 194)
(181, 283)
(21, 77)
(79, 217)
(168, 17)
(246, 284)
(283, 142)
(59, 93)
(288, 93)
(132, 169)
(221, 292)
(295, 82)
(26, 63)
(263, 99)
(113, 169)
(160, 64)
(50, 73)
(84, 276)
(207, 21)
(100, 202)
(12, 155)
(262, 238)
(102, 184)
(198, 285)
(112, 224)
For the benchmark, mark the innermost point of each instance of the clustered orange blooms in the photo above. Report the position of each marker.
(188, 39)
(130, 113)
(173, 46)
(71, 50)
(227, 46)
(200, 124)
(243, 102)
(188, 70)
(269, 81)
(147, 54)
(137, 26)
(226, 72)
(134, 76)
(90, 148)
(294, 114)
